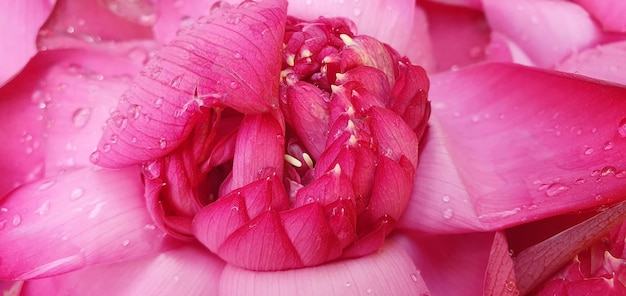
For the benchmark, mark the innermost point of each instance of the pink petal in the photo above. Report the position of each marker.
(548, 31)
(602, 62)
(379, 19)
(88, 23)
(75, 220)
(189, 270)
(499, 154)
(458, 35)
(420, 49)
(173, 15)
(476, 4)
(608, 13)
(501, 49)
(500, 276)
(440, 258)
(18, 32)
(11, 288)
(387, 272)
(226, 61)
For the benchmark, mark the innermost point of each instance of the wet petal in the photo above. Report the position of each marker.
(420, 49)
(87, 24)
(476, 4)
(75, 220)
(602, 62)
(499, 154)
(389, 271)
(379, 19)
(188, 270)
(18, 33)
(201, 67)
(500, 276)
(548, 31)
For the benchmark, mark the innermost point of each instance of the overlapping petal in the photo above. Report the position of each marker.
(65, 223)
(609, 13)
(222, 61)
(602, 62)
(188, 270)
(497, 155)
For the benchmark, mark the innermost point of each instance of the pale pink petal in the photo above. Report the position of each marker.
(11, 288)
(19, 25)
(420, 49)
(508, 144)
(607, 62)
(608, 13)
(389, 21)
(75, 220)
(458, 35)
(87, 23)
(188, 270)
(174, 15)
(389, 271)
(548, 31)
(229, 60)
(440, 258)
(501, 49)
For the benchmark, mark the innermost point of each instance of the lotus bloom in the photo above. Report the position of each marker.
(254, 152)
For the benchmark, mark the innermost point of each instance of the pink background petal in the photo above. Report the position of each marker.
(607, 62)
(189, 270)
(548, 31)
(499, 154)
(19, 26)
(610, 13)
(75, 220)
(389, 271)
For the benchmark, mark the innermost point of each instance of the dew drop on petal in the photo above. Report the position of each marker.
(621, 174)
(446, 198)
(234, 18)
(608, 146)
(106, 147)
(162, 143)
(621, 128)
(134, 111)
(448, 213)
(158, 102)
(175, 82)
(17, 219)
(234, 85)
(125, 243)
(77, 193)
(414, 277)
(80, 117)
(47, 185)
(237, 55)
(556, 189)
(588, 151)
(608, 170)
(151, 170)
(95, 157)
(348, 284)
(43, 209)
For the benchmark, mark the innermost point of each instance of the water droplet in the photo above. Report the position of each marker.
(621, 128)
(448, 213)
(17, 219)
(118, 120)
(77, 193)
(151, 170)
(234, 85)
(620, 175)
(81, 116)
(556, 189)
(446, 198)
(509, 286)
(95, 157)
(46, 185)
(138, 55)
(175, 82)
(234, 18)
(357, 12)
(608, 146)
(579, 181)
(176, 278)
(368, 290)
(113, 138)
(150, 226)
(2, 224)
(162, 143)
(134, 111)
(234, 208)
(608, 170)
(414, 277)
(106, 147)
(238, 56)
(158, 102)
(125, 243)
(133, 139)
(588, 151)
(96, 210)
(43, 209)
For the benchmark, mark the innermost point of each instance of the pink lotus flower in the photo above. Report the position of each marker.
(507, 145)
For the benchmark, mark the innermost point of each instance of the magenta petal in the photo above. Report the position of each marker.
(379, 19)
(547, 31)
(387, 272)
(19, 26)
(75, 220)
(227, 60)
(188, 270)
(499, 154)
(500, 276)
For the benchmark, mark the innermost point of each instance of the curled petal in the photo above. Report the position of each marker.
(201, 67)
